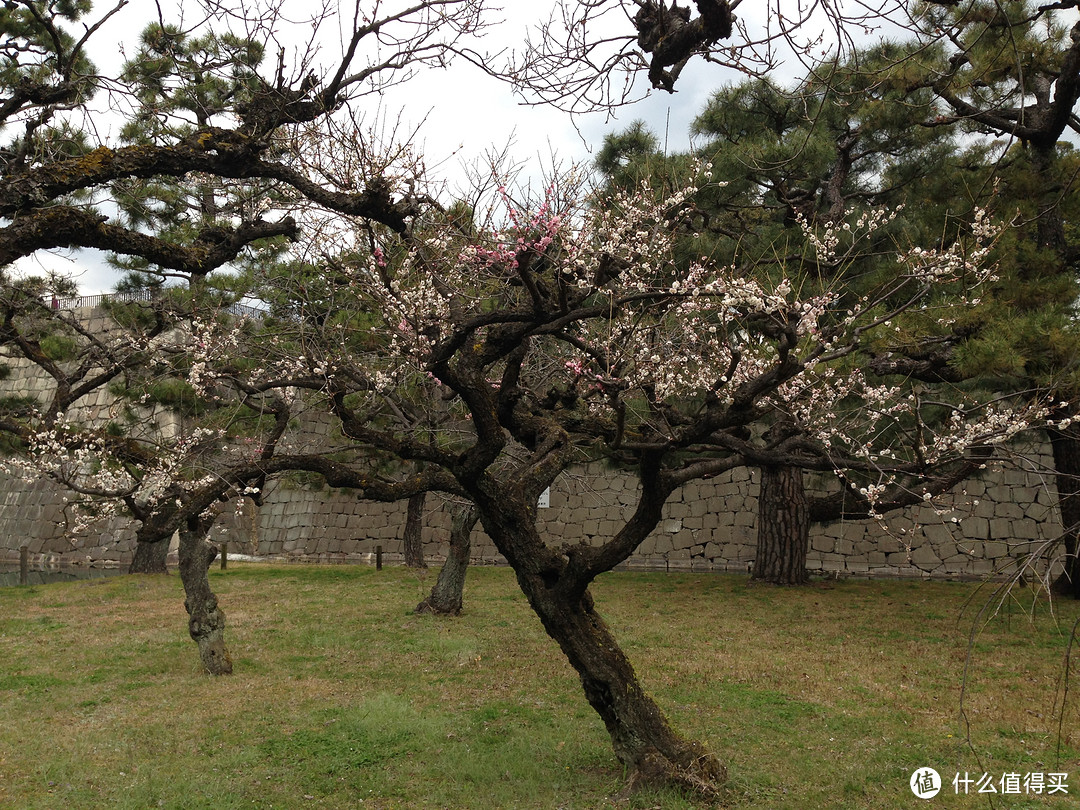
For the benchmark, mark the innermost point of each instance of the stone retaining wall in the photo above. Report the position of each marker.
(989, 524)
(707, 526)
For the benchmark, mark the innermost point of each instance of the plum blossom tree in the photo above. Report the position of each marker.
(550, 332)
(569, 328)
(200, 172)
(820, 155)
(162, 448)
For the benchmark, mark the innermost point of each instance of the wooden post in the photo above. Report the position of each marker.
(224, 555)
(24, 565)
(378, 558)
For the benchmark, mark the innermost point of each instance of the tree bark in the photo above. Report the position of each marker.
(413, 539)
(642, 738)
(150, 558)
(448, 594)
(783, 527)
(206, 621)
(1066, 448)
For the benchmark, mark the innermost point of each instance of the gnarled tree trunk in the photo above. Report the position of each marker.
(642, 738)
(206, 621)
(150, 558)
(783, 527)
(447, 595)
(413, 538)
(1066, 447)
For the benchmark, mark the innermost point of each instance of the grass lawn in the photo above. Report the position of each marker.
(823, 697)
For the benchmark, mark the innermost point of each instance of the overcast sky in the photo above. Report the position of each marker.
(461, 114)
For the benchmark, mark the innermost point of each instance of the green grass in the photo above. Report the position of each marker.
(823, 697)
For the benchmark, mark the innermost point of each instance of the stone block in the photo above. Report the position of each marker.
(888, 545)
(974, 528)
(697, 508)
(725, 518)
(937, 533)
(845, 547)
(746, 553)
(1039, 512)
(1025, 530)
(1024, 495)
(1001, 529)
(945, 550)
(822, 543)
(746, 518)
(662, 544)
(834, 529)
(684, 540)
(1010, 511)
(924, 557)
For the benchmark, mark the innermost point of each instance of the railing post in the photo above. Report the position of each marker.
(224, 555)
(378, 558)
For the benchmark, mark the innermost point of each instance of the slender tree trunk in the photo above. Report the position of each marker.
(783, 527)
(150, 558)
(1066, 447)
(641, 736)
(447, 595)
(414, 527)
(206, 621)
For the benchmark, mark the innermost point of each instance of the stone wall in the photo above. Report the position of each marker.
(986, 525)
(983, 527)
